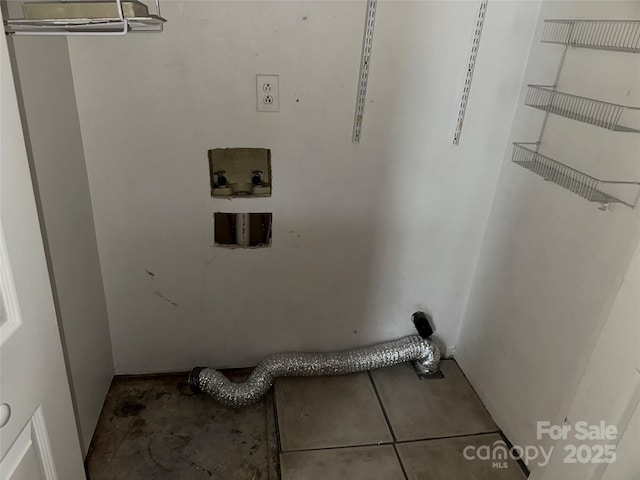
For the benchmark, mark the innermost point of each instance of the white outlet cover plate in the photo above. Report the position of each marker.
(268, 93)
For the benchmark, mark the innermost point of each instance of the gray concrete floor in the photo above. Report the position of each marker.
(155, 428)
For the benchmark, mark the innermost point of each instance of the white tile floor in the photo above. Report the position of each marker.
(329, 412)
(387, 424)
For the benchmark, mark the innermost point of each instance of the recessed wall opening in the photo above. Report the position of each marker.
(242, 230)
(240, 172)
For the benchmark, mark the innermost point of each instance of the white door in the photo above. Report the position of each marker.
(609, 393)
(38, 437)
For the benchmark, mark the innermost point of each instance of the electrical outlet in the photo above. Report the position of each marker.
(268, 93)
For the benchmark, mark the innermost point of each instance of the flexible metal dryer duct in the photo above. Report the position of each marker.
(420, 348)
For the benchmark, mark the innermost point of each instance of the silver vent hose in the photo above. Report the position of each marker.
(420, 348)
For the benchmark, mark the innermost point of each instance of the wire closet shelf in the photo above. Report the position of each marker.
(616, 35)
(119, 24)
(586, 186)
(582, 109)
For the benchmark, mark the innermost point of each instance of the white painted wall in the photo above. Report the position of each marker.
(363, 234)
(56, 154)
(551, 263)
(609, 389)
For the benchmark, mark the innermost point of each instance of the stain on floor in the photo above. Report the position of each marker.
(155, 428)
